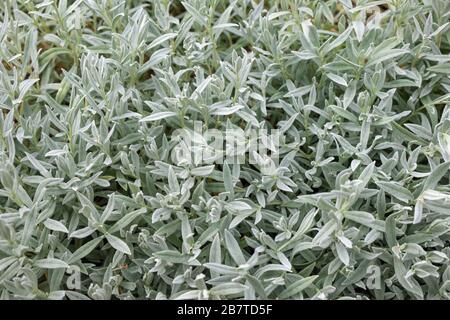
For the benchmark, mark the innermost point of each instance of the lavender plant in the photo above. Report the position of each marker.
(98, 199)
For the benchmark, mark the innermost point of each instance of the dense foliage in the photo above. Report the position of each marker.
(93, 204)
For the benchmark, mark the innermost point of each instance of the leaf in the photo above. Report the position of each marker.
(342, 254)
(349, 94)
(38, 166)
(227, 289)
(215, 254)
(297, 287)
(359, 28)
(84, 250)
(194, 13)
(82, 233)
(361, 217)
(161, 39)
(440, 68)
(436, 175)
(222, 111)
(325, 232)
(126, 220)
(228, 179)
(257, 286)
(174, 186)
(238, 206)
(221, 268)
(358, 274)
(395, 190)
(202, 171)
(338, 41)
(158, 116)
(118, 244)
(233, 248)
(391, 234)
(51, 263)
(337, 79)
(25, 86)
(55, 225)
(306, 224)
(171, 256)
(55, 153)
(418, 211)
(386, 55)
(411, 284)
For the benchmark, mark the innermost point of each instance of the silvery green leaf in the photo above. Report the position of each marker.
(55, 225)
(174, 186)
(386, 55)
(349, 94)
(362, 217)
(82, 233)
(161, 39)
(305, 225)
(225, 111)
(288, 123)
(440, 68)
(118, 244)
(359, 273)
(73, 295)
(194, 13)
(87, 203)
(297, 287)
(410, 284)
(396, 190)
(391, 234)
(359, 28)
(342, 254)
(325, 232)
(158, 116)
(221, 269)
(215, 254)
(51, 263)
(284, 260)
(436, 175)
(55, 153)
(38, 166)
(238, 206)
(366, 174)
(228, 179)
(338, 41)
(418, 211)
(171, 256)
(84, 250)
(6, 262)
(424, 269)
(233, 248)
(157, 57)
(228, 288)
(127, 219)
(190, 295)
(202, 171)
(25, 86)
(337, 79)
(419, 130)
(256, 285)
(305, 55)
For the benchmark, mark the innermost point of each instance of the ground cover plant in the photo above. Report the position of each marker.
(352, 203)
